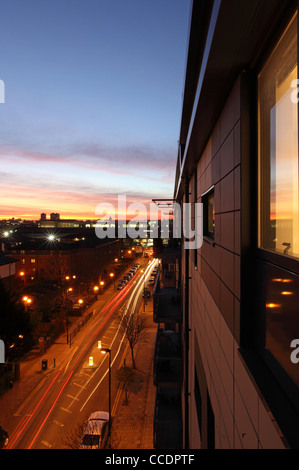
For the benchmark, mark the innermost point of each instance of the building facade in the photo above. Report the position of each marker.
(238, 157)
(7, 271)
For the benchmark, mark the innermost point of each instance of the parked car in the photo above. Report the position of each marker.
(3, 438)
(96, 431)
(121, 285)
(151, 282)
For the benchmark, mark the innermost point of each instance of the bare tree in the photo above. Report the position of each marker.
(133, 325)
(125, 377)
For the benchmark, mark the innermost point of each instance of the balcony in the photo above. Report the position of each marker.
(168, 365)
(168, 418)
(166, 304)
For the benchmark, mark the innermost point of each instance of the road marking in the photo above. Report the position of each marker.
(58, 423)
(46, 444)
(65, 409)
(85, 374)
(78, 385)
(73, 398)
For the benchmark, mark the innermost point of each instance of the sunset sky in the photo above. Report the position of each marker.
(93, 98)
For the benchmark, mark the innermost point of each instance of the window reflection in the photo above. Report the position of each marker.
(282, 324)
(278, 148)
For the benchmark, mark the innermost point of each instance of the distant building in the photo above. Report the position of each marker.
(75, 252)
(43, 216)
(7, 270)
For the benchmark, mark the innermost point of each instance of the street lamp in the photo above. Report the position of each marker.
(70, 289)
(112, 276)
(23, 277)
(27, 301)
(105, 351)
(96, 290)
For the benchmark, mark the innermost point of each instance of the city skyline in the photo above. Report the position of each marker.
(93, 97)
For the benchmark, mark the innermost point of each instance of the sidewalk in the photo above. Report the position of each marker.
(133, 424)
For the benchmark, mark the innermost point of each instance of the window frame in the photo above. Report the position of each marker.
(207, 234)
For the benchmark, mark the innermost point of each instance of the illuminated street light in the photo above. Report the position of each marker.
(27, 301)
(51, 237)
(113, 277)
(96, 290)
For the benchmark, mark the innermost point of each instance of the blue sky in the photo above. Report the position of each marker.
(93, 98)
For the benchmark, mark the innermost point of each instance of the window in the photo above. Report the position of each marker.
(279, 202)
(208, 213)
(278, 147)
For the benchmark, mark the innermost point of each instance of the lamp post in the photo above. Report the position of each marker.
(23, 277)
(27, 301)
(70, 289)
(96, 289)
(105, 351)
(113, 277)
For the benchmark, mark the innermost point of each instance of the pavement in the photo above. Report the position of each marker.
(132, 426)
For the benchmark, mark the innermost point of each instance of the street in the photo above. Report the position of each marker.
(54, 412)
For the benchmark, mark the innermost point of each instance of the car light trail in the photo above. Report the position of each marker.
(135, 297)
(110, 307)
(49, 412)
(25, 421)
